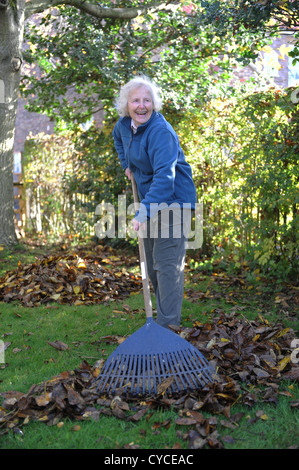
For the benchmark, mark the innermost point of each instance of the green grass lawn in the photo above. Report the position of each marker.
(30, 359)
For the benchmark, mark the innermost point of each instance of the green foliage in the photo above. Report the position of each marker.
(251, 14)
(67, 176)
(83, 61)
(244, 156)
(241, 144)
(263, 16)
(243, 153)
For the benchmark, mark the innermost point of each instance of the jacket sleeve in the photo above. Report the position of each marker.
(163, 150)
(119, 145)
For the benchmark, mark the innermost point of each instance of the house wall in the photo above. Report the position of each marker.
(275, 57)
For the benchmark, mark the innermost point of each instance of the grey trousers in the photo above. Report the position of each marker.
(165, 248)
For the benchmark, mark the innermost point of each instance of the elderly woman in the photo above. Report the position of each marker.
(149, 148)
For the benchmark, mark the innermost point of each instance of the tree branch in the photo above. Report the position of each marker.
(4, 3)
(38, 6)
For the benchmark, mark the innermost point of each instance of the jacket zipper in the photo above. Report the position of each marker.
(128, 161)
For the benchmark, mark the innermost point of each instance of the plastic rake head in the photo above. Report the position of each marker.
(148, 358)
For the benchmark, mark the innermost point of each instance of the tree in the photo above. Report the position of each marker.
(90, 59)
(11, 39)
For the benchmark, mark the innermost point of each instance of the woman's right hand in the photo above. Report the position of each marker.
(128, 173)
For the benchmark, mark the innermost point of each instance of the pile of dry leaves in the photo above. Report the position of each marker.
(246, 354)
(71, 277)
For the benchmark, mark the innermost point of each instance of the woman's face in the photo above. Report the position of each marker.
(140, 105)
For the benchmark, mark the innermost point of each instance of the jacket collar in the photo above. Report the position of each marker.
(126, 121)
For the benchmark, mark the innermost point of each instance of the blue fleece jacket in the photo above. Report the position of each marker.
(155, 157)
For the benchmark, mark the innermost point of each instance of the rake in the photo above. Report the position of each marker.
(153, 359)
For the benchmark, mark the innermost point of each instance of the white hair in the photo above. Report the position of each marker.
(137, 82)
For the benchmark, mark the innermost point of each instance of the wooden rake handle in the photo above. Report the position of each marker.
(142, 258)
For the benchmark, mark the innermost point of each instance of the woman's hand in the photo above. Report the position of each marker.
(138, 225)
(128, 173)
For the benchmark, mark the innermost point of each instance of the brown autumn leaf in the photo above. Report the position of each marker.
(92, 413)
(73, 397)
(214, 442)
(163, 386)
(295, 404)
(185, 421)
(58, 345)
(76, 428)
(117, 402)
(196, 441)
(10, 398)
(138, 415)
(228, 439)
(44, 399)
(112, 339)
(293, 374)
(253, 351)
(261, 415)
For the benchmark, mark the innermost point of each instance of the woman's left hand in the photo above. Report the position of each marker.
(138, 226)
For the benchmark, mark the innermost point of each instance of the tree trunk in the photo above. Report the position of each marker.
(11, 40)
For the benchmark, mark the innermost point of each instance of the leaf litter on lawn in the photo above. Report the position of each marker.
(246, 354)
(71, 277)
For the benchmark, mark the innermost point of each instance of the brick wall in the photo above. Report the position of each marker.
(29, 123)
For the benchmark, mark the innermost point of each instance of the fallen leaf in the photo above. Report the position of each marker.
(16, 350)
(138, 415)
(282, 364)
(58, 345)
(43, 400)
(164, 385)
(185, 421)
(76, 428)
(261, 415)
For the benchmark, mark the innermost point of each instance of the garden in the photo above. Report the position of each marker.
(68, 298)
